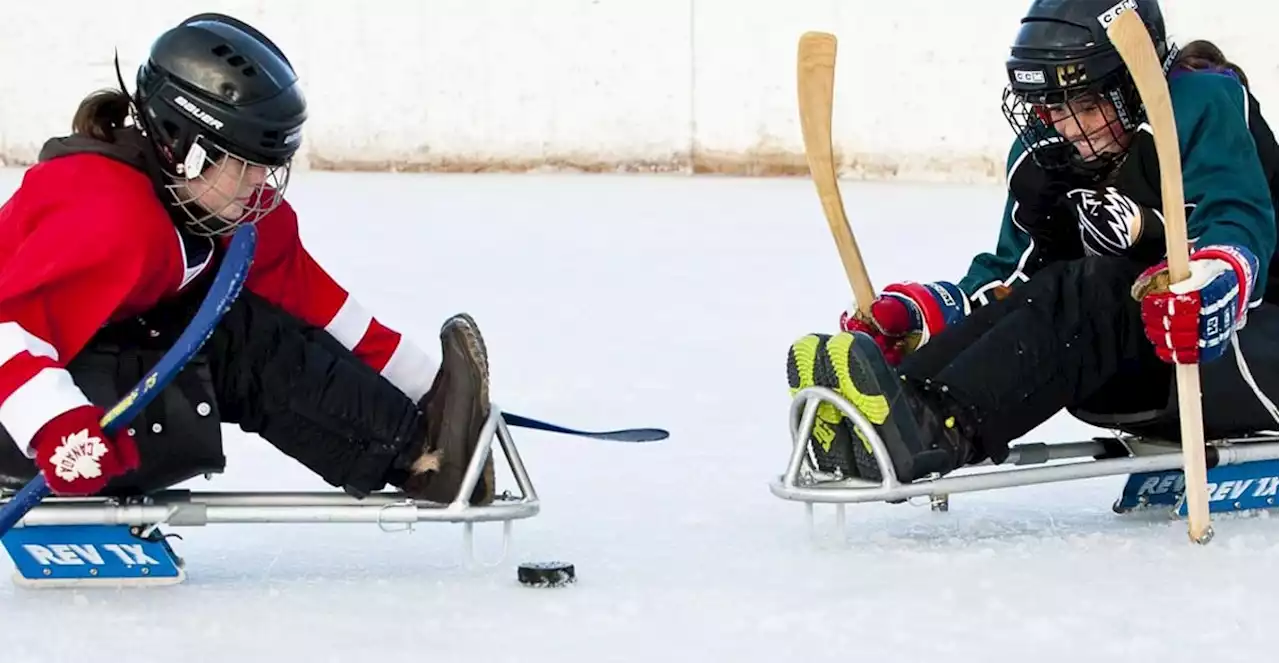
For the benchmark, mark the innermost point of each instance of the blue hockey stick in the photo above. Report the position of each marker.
(625, 435)
(222, 293)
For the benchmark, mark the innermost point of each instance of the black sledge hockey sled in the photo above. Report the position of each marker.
(118, 540)
(1242, 470)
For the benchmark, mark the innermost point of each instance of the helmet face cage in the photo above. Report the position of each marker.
(220, 191)
(1093, 153)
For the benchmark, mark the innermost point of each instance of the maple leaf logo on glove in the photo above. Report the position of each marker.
(77, 456)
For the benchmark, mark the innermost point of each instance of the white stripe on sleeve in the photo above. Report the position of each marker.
(14, 340)
(350, 323)
(46, 395)
(411, 369)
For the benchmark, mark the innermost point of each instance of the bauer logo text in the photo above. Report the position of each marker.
(198, 112)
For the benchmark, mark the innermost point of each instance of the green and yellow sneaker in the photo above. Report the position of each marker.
(919, 438)
(831, 444)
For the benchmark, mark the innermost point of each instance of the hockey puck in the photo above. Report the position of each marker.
(546, 574)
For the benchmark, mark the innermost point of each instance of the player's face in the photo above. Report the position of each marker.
(1090, 123)
(227, 185)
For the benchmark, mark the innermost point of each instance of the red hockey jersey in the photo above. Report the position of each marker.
(84, 241)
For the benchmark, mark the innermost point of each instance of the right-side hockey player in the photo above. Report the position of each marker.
(1074, 308)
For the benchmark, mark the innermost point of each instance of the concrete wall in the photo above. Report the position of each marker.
(601, 85)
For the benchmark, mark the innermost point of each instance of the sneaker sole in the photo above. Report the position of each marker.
(832, 432)
(872, 386)
(802, 359)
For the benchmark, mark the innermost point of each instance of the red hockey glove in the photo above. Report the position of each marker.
(1192, 321)
(907, 315)
(76, 457)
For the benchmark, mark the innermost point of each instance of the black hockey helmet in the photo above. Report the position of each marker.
(1062, 54)
(212, 87)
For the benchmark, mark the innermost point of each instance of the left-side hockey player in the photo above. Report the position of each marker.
(1074, 308)
(107, 249)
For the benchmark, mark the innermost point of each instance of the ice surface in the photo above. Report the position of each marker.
(612, 301)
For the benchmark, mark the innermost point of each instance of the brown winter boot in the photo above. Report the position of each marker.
(455, 409)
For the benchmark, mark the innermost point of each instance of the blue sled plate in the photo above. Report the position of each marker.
(50, 555)
(1242, 487)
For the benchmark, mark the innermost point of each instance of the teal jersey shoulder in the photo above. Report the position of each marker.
(1226, 191)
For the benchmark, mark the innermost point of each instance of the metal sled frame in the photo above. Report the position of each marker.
(181, 508)
(802, 481)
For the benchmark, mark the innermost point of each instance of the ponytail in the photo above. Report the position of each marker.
(100, 114)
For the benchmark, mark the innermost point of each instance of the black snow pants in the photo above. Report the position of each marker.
(1072, 338)
(292, 384)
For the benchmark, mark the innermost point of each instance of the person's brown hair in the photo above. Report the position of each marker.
(1202, 54)
(100, 114)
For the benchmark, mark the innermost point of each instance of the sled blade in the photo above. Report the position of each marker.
(78, 555)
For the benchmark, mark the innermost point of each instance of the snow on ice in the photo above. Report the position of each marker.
(612, 301)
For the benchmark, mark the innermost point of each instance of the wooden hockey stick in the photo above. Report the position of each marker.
(815, 83)
(1134, 44)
